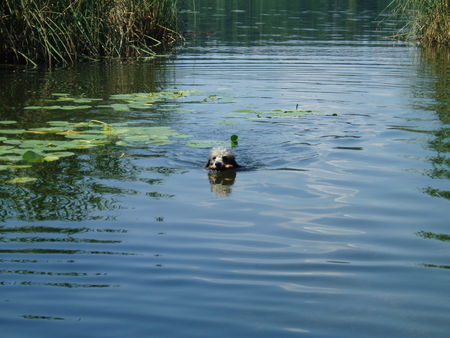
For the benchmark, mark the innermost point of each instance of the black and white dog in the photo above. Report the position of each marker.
(221, 158)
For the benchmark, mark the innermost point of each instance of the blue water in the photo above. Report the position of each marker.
(337, 227)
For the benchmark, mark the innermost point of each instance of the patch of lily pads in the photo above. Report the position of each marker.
(277, 113)
(59, 139)
(116, 102)
(23, 148)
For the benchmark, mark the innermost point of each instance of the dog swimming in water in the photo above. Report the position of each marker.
(221, 158)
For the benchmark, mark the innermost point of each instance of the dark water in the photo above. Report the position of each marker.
(337, 227)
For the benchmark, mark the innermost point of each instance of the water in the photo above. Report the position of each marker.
(338, 225)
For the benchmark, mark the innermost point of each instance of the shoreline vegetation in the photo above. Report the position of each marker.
(426, 21)
(63, 32)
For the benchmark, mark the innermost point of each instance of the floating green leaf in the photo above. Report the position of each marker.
(31, 156)
(205, 143)
(234, 140)
(68, 107)
(6, 150)
(13, 142)
(12, 131)
(244, 111)
(60, 154)
(59, 123)
(51, 130)
(85, 100)
(8, 122)
(10, 158)
(20, 180)
(116, 106)
(50, 158)
(292, 113)
(61, 94)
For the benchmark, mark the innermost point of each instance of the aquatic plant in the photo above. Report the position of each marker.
(22, 148)
(64, 31)
(425, 20)
(277, 113)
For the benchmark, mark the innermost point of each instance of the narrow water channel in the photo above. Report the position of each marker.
(337, 225)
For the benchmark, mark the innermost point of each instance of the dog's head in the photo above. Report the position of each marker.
(221, 158)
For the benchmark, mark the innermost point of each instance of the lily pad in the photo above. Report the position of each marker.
(205, 143)
(20, 180)
(116, 106)
(14, 166)
(6, 149)
(8, 122)
(55, 107)
(32, 157)
(60, 154)
(244, 111)
(85, 100)
(61, 94)
(42, 131)
(12, 131)
(13, 142)
(87, 136)
(11, 158)
(59, 123)
(50, 158)
(292, 113)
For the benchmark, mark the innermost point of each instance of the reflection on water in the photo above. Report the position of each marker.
(46, 244)
(268, 22)
(222, 182)
(338, 228)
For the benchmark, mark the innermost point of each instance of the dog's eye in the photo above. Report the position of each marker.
(214, 158)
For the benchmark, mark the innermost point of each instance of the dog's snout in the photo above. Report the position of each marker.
(219, 164)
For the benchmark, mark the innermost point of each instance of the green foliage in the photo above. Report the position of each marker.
(67, 137)
(234, 140)
(22, 148)
(43, 31)
(426, 20)
(277, 113)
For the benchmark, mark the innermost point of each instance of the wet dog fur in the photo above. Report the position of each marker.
(221, 158)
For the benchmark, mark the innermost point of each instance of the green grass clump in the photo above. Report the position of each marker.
(65, 31)
(426, 20)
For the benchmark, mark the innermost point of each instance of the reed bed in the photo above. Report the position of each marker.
(66, 31)
(425, 20)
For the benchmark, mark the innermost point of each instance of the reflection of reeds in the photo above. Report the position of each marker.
(426, 20)
(45, 31)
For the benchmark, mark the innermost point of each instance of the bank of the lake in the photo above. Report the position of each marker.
(39, 32)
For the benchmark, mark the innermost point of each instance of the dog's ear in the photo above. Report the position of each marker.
(208, 164)
(233, 162)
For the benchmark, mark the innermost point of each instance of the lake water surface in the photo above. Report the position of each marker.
(338, 226)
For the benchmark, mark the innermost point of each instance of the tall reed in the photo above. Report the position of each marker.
(64, 31)
(425, 20)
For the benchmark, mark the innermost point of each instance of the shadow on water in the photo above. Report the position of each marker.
(22, 88)
(36, 245)
(222, 182)
(78, 187)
